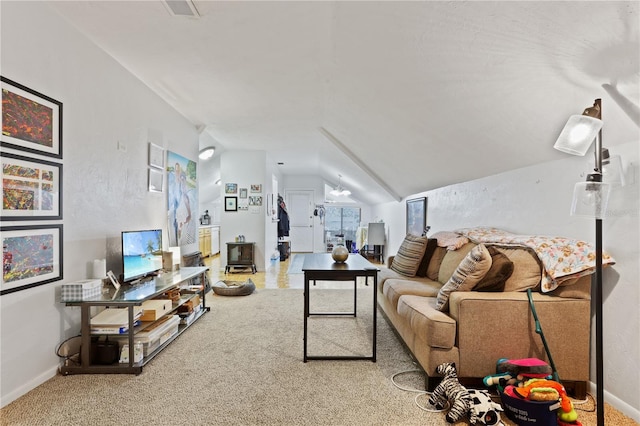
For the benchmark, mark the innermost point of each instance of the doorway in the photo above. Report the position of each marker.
(300, 208)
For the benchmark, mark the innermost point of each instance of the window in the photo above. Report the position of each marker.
(342, 220)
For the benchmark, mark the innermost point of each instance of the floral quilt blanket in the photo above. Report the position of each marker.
(561, 258)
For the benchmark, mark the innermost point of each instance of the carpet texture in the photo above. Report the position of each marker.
(241, 364)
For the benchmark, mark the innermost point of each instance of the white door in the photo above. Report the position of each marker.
(300, 209)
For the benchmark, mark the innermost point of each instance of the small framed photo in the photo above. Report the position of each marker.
(255, 200)
(243, 192)
(230, 204)
(156, 179)
(230, 188)
(31, 188)
(31, 256)
(156, 156)
(416, 216)
(31, 121)
(256, 188)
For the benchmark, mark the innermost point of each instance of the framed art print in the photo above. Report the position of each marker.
(31, 121)
(256, 188)
(31, 256)
(230, 188)
(243, 192)
(155, 180)
(416, 216)
(230, 204)
(156, 156)
(31, 188)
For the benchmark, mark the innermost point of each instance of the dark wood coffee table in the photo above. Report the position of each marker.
(321, 267)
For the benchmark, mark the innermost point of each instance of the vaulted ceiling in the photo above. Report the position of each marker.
(397, 97)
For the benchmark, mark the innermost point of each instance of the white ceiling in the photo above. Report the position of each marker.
(397, 97)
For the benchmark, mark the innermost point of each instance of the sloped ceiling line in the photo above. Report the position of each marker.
(342, 147)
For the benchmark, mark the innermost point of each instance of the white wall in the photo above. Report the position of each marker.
(537, 200)
(244, 168)
(104, 190)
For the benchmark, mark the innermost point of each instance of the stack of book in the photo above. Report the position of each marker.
(114, 320)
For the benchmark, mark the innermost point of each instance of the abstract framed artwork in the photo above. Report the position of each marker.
(416, 216)
(31, 256)
(31, 121)
(31, 188)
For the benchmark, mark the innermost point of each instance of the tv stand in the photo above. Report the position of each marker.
(129, 298)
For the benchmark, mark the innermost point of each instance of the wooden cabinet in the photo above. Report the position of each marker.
(240, 255)
(204, 237)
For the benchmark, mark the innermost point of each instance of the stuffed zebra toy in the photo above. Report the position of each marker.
(451, 390)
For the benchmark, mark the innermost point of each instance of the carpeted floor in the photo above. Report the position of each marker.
(241, 364)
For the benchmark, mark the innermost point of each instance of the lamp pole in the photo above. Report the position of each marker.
(598, 296)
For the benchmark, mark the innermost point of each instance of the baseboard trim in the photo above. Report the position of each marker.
(616, 403)
(28, 386)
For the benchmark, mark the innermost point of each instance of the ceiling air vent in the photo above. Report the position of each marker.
(182, 8)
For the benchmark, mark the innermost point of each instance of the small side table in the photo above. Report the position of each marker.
(240, 255)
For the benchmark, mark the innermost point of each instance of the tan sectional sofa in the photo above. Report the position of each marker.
(482, 327)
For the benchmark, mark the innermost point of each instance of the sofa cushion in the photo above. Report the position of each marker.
(435, 262)
(432, 243)
(409, 255)
(527, 272)
(496, 278)
(394, 288)
(451, 261)
(468, 273)
(435, 327)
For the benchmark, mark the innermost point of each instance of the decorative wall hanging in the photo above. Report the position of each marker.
(256, 188)
(243, 192)
(156, 156)
(230, 204)
(416, 216)
(31, 188)
(155, 180)
(182, 200)
(31, 121)
(230, 188)
(31, 256)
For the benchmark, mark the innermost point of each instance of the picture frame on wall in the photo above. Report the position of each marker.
(230, 204)
(156, 179)
(256, 188)
(230, 188)
(31, 256)
(156, 156)
(243, 192)
(31, 121)
(31, 188)
(416, 216)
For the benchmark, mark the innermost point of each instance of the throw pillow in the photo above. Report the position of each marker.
(407, 260)
(500, 271)
(471, 269)
(428, 253)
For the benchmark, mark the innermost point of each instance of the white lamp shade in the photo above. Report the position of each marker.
(577, 135)
(612, 171)
(375, 234)
(590, 199)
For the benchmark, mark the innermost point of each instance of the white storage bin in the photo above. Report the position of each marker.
(155, 335)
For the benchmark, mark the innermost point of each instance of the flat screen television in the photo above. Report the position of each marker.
(141, 254)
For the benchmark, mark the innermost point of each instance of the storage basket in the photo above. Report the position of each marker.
(524, 412)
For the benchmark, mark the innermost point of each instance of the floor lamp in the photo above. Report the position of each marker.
(590, 199)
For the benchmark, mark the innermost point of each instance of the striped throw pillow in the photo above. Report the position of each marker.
(407, 260)
(469, 272)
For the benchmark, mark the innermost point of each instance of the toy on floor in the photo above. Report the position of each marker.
(484, 410)
(514, 371)
(450, 390)
(549, 390)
